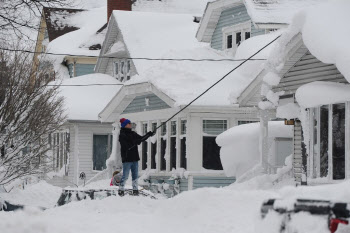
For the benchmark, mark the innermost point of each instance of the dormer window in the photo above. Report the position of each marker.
(235, 35)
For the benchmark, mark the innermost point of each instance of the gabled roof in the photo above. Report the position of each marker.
(275, 13)
(57, 21)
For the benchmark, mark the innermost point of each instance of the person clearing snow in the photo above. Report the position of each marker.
(130, 155)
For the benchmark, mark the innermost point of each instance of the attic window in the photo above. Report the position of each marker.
(235, 35)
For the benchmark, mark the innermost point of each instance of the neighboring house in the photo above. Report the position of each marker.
(227, 23)
(155, 90)
(61, 30)
(84, 143)
(313, 95)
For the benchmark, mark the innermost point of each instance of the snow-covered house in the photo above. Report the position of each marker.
(307, 79)
(155, 90)
(83, 143)
(76, 32)
(227, 23)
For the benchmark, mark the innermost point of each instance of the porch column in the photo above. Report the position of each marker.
(264, 137)
(115, 161)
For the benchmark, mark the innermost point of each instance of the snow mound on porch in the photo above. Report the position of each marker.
(321, 93)
(86, 102)
(240, 145)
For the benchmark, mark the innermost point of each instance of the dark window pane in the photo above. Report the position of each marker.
(183, 161)
(173, 128)
(211, 154)
(153, 155)
(247, 35)
(183, 126)
(324, 141)
(229, 41)
(238, 38)
(246, 122)
(100, 152)
(162, 155)
(172, 153)
(163, 131)
(338, 142)
(144, 155)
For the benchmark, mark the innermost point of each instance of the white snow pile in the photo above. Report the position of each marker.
(321, 93)
(240, 145)
(86, 102)
(177, 78)
(220, 210)
(40, 194)
(288, 111)
(277, 11)
(319, 22)
(194, 7)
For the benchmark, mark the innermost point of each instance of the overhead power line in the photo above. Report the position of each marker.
(128, 58)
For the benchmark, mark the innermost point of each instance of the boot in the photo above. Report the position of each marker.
(121, 193)
(135, 192)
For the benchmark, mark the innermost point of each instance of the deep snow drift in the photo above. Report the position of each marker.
(232, 209)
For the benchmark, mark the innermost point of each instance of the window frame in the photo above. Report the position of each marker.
(314, 151)
(203, 134)
(232, 30)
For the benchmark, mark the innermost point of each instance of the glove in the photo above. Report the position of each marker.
(150, 134)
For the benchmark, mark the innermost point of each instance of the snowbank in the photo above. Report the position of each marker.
(86, 102)
(40, 194)
(321, 93)
(240, 145)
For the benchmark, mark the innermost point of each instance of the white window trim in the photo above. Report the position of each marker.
(312, 173)
(231, 30)
(202, 135)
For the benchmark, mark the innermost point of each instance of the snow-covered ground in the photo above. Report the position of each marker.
(232, 209)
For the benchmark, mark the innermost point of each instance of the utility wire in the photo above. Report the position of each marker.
(129, 58)
(215, 83)
(72, 85)
(146, 136)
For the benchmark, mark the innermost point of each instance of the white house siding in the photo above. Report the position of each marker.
(307, 69)
(81, 151)
(230, 17)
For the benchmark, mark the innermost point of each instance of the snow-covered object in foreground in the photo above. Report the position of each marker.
(321, 93)
(240, 145)
(85, 102)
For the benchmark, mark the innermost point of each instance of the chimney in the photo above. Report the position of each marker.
(122, 5)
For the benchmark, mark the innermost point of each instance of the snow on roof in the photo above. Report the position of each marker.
(319, 22)
(185, 80)
(277, 11)
(86, 102)
(79, 41)
(195, 7)
(149, 34)
(320, 93)
(240, 145)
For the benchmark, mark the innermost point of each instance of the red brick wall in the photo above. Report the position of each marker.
(123, 5)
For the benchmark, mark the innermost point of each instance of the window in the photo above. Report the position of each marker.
(229, 41)
(116, 70)
(102, 148)
(128, 70)
(173, 145)
(246, 122)
(338, 141)
(144, 147)
(211, 151)
(324, 112)
(163, 148)
(60, 146)
(235, 35)
(183, 161)
(154, 148)
(328, 139)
